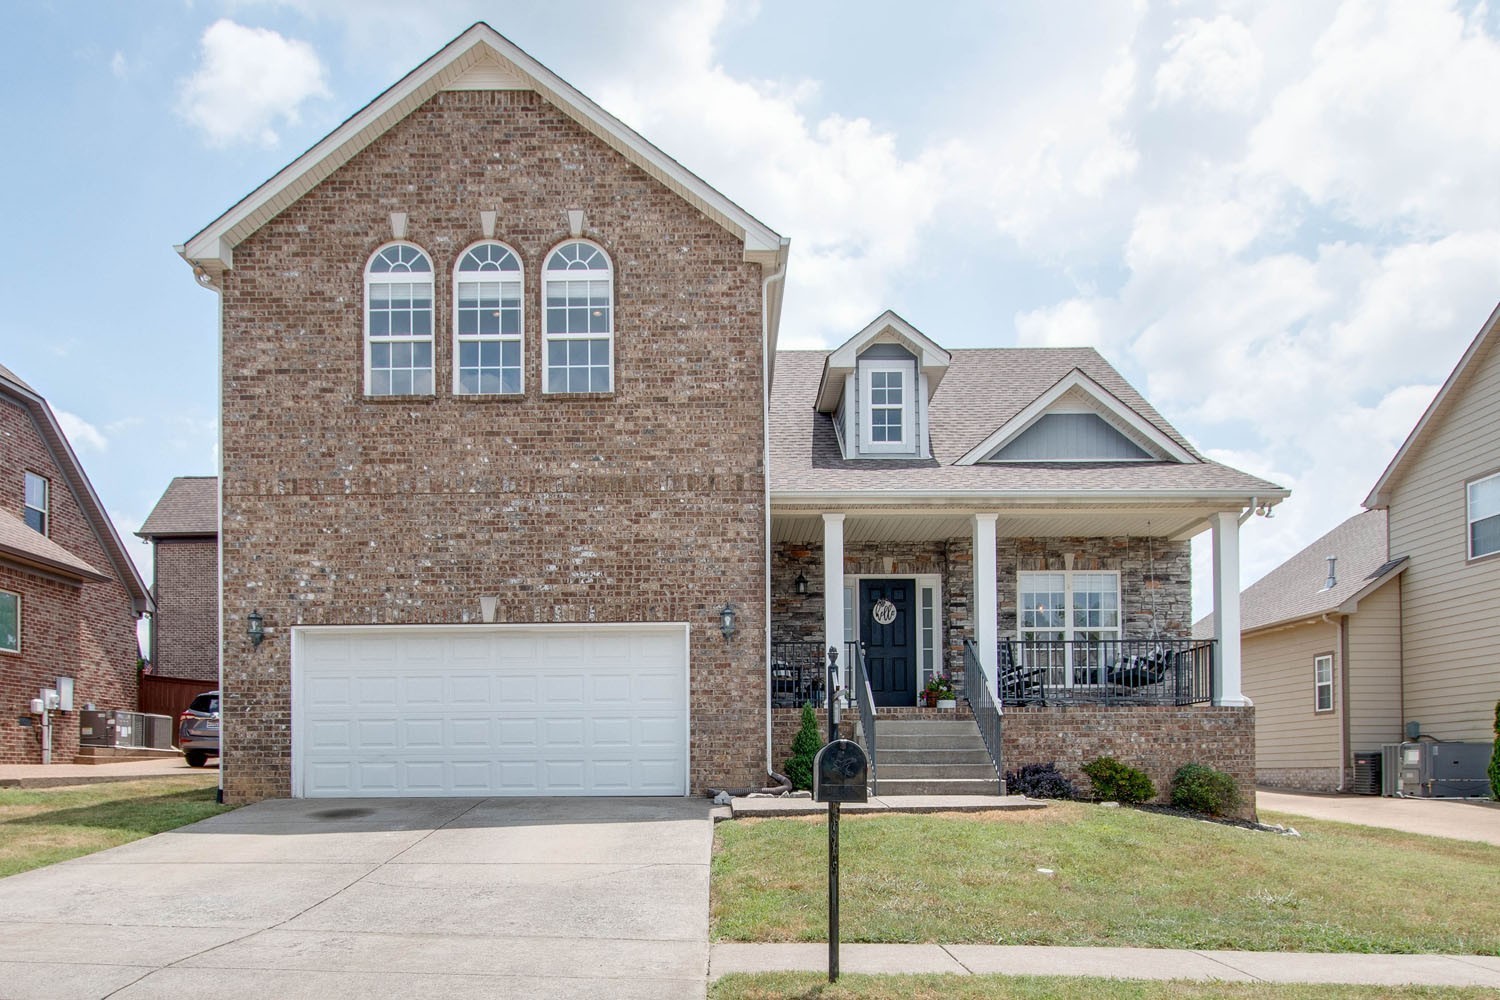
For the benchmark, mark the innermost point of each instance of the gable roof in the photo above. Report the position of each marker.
(479, 58)
(88, 501)
(1460, 378)
(982, 390)
(1294, 590)
(190, 506)
(888, 327)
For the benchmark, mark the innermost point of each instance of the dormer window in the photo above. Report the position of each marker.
(877, 387)
(887, 409)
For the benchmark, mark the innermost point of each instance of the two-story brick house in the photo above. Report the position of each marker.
(515, 487)
(183, 529)
(69, 594)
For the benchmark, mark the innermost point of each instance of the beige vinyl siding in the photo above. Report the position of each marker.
(1450, 605)
(1374, 667)
(1278, 677)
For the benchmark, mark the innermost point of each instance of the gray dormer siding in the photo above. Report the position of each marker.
(1071, 437)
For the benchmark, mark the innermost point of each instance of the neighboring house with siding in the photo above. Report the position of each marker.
(183, 529)
(69, 594)
(528, 502)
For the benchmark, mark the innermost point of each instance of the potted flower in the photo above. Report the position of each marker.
(939, 691)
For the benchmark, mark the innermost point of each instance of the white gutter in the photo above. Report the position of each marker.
(988, 497)
(766, 363)
(1249, 511)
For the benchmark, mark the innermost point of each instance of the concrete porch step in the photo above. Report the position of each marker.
(896, 772)
(114, 755)
(908, 727)
(939, 756)
(938, 786)
(934, 741)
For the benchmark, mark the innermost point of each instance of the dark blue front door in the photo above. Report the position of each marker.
(887, 629)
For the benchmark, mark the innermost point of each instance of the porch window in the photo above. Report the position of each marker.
(927, 612)
(1484, 516)
(1323, 684)
(1068, 621)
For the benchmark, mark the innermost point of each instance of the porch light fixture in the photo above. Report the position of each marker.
(256, 629)
(726, 621)
(801, 585)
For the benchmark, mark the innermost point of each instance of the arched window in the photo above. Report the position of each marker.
(487, 326)
(578, 321)
(398, 322)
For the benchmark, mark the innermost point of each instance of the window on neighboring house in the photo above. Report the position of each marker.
(1067, 621)
(398, 322)
(578, 319)
(1323, 683)
(487, 321)
(36, 502)
(1484, 516)
(10, 622)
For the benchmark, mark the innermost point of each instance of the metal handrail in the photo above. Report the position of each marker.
(1137, 671)
(986, 709)
(865, 699)
(797, 674)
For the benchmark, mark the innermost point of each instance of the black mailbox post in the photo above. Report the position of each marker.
(841, 772)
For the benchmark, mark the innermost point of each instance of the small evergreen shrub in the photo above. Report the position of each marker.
(805, 747)
(1205, 789)
(1039, 781)
(1116, 782)
(1495, 757)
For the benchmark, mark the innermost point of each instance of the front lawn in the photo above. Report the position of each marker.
(1118, 877)
(814, 986)
(46, 825)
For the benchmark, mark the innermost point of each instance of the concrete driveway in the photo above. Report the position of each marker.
(371, 898)
(1461, 819)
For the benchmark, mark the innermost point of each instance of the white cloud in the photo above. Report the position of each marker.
(1075, 323)
(1213, 65)
(81, 434)
(249, 81)
(118, 66)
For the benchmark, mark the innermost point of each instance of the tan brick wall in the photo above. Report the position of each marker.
(1157, 740)
(647, 504)
(87, 632)
(185, 627)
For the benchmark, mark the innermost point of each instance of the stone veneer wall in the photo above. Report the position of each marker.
(1158, 740)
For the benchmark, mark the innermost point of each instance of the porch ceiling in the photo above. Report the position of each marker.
(886, 525)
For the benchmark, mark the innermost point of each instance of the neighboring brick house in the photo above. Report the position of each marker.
(498, 479)
(183, 529)
(69, 594)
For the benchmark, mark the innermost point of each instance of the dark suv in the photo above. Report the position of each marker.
(198, 729)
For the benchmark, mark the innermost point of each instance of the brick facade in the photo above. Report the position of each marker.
(84, 631)
(645, 504)
(1301, 779)
(185, 628)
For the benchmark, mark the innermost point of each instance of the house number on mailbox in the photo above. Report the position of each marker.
(884, 612)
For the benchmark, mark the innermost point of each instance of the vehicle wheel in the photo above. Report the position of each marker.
(196, 758)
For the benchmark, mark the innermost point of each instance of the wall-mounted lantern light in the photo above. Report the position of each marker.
(256, 629)
(801, 585)
(726, 621)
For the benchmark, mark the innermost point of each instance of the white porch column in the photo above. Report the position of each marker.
(986, 604)
(1226, 542)
(833, 586)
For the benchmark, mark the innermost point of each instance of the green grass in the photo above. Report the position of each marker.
(814, 986)
(1122, 877)
(44, 826)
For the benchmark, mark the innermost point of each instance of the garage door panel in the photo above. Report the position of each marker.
(511, 711)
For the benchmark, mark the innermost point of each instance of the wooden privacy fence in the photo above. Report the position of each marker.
(170, 696)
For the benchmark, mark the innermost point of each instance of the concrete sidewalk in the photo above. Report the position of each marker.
(56, 775)
(1460, 819)
(1114, 963)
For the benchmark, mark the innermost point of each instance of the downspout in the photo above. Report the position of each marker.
(1249, 512)
(766, 368)
(1345, 748)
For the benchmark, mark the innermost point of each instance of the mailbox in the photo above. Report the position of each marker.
(841, 772)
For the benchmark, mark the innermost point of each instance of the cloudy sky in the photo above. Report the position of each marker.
(1280, 220)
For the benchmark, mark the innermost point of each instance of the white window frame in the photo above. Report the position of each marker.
(17, 598)
(1470, 520)
(549, 337)
(1321, 684)
(45, 510)
(516, 278)
(1070, 629)
(867, 443)
(400, 277)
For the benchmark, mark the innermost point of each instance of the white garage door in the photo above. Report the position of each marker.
(490, 710)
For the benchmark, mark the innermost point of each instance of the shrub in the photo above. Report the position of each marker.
(805, 747)
(1039, 781)
(1495, 757)
(1205, 789)
(1116, 782)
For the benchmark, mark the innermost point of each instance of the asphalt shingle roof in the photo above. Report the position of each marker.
(19, 541)
(189, 507)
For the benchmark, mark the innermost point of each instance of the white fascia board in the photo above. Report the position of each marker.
(1219, 499)
(1380, 496)
(932, 359)
(1076, 379)
(1352, 604)
(207, 248)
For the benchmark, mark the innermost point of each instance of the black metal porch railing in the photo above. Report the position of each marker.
(1106, 671)
(978, 691)
(865, 699)
(799, 673)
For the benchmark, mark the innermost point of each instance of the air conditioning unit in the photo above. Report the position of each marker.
(1390, 769)
(1434, 770)
(1366, 773)
(125, 729)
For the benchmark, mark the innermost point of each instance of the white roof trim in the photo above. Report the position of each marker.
(932, 359)
(1380, 496)
(1111, 403)
(1352, 604)
(209, 250)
